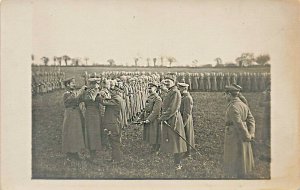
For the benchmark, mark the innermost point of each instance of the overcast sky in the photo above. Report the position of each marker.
(186, 30)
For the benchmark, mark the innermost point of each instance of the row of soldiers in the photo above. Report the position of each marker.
(162, 107)
(135, 84)
(207, 81)
(100, 108)
(44, 82)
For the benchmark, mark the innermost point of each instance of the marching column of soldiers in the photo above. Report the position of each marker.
(96, 114)
(45, 82)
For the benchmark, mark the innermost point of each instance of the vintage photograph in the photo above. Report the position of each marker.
(151, 90)
(159, 90)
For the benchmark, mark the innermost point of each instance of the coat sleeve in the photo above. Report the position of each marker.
(109, 102)
(250, 124)
(123, 115)
(155, 111)
(69, 98)
(173, 107)
(235, 117)
(187, 109)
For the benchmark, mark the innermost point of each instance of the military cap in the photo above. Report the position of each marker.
(171, 76)
(118, 87)
(94, 75)
(68, 80)
(182, 84)
(94, 80)
(237, 86)
(153, 84)
(231, 89)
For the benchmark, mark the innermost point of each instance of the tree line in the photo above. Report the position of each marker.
(245, 60)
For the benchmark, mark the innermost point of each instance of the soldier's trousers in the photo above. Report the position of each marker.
(177, 158)
(115, 142)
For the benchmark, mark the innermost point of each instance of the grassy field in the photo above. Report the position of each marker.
(208, 114)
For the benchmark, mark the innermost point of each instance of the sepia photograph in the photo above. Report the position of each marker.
(136, 93)
(150, 92)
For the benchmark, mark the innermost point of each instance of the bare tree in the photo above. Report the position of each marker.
(45, 60)
(148, 62)
(219, 61)
(59, 59)
(75, 61)
(111, 62)
(154, 61)
(161, 60)
(66, 59)
(171, 60)
(195, 62)
(136, 60)
(245, 59)
(86, 60)
(54, 60)
(262, 59)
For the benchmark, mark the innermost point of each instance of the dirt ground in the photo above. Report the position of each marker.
(139, 163)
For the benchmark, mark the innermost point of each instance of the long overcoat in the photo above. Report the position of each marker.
(92, 120)
(186, 110)
(170, 141)
(151, 133)
(240, 127)
(72, 131)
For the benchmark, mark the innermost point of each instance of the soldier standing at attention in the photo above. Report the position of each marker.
(72, 131)
(171, 142)
(239, 131)
(186, 109)
(150, 118)
(266, 103)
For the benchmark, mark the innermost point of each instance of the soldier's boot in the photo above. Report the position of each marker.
(177, 161)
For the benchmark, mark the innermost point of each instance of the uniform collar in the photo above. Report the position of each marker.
(185, 93)
(235, 99)
(173, 88)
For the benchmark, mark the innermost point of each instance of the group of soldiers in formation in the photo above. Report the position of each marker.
(96, 114)
(205, 81)
(44, 82)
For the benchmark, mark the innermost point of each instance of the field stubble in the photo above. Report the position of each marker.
(208, 115)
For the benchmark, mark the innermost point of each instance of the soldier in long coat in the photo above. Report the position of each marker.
(201, 82)
(103, 94)
(91, 101)
(239, 131)
(214, 86)
(254, 82)
(170, 141)
(113, 121)
(72, 131)
(151, 133)
(194, 82)
(186, 109)
(266, 103)
(220, 81)
(207, 82)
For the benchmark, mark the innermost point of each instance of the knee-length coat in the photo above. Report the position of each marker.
(151, 133)
(170, 141)
(240, 128)
(72, 131)
(92, 120)
(186, 109)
